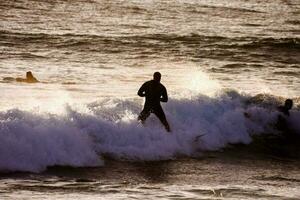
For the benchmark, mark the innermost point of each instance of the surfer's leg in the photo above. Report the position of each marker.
(144, 115)
(162, 117)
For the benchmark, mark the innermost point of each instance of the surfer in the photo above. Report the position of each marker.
(288, 104)
(29, 78)
(155, 93)
(282, 119)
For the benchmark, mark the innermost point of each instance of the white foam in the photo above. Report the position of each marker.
(32, 141)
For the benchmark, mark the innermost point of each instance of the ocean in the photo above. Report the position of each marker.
(227, 65)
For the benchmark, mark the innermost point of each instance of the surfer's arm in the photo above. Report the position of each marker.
(164, 95)
(142, 90)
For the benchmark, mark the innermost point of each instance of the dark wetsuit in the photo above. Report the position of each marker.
(27, 80)
(154, 92)
(284, 110)
(282, 124)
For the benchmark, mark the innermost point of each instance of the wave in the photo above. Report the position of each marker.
(287, 73)
(32, 141)
(241, 65)
(71, 40)
(232, 9)
(293, 22)
(22, 55)
(290, 43)
(85, 38)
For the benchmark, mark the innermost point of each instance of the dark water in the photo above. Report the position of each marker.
(232, 174)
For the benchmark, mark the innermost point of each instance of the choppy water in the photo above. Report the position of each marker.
(92, 56)
(245, 177)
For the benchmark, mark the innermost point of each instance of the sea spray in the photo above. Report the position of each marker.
(31, 141)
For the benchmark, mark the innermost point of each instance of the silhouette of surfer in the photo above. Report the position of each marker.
(288, 104)
(282, 119)
(154, 92)
(281, 123)
(29, 78)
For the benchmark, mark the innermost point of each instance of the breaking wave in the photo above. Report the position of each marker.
(32, 141)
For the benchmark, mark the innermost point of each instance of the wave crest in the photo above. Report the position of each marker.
(32, 141)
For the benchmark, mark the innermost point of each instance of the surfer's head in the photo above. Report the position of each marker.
(29, 75)
(156, 76)
(288, 104)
